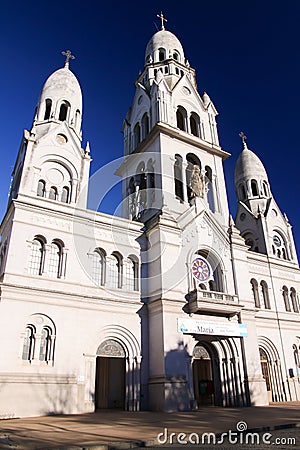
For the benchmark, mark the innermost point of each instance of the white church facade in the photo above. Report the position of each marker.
(171, 307)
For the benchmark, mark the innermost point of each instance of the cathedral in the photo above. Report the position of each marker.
(175, 305)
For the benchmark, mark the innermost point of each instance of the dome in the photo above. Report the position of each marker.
(64, 85)
(164, 40)
(249, 166)
(61, 99)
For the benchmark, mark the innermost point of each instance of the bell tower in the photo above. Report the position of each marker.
(264, 227)
(51, 163)
(173, 159)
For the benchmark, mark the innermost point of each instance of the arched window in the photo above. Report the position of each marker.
(77, 118)
(131, 275)
(41, 189)
(178, 177)
(254, 188)
(53, 193)
(65, 194)
(136, 135)
(37, 255)
(285, 293)
(265, 189)
(294, 301)
(28, 343)
(55, 260)
(241, 192)
(45, 345)
(150, 183)
(192, 162)
(209, 188)
(216, 284)
(195, 124)
(161, 54)
(115, 267)
(254, 285)
(99, 267)
(181, 117)
(48, 109)
(145, 126)
(63, 112)
(176, 55)
(265, 293)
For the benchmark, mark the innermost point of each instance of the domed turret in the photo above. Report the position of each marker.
(164, 45)
(250, 176)
(61, 98)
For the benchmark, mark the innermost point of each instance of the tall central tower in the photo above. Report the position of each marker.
(173, 182)
(173, 159)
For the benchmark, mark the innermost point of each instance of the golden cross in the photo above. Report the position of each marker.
(68, 56)
(243, 136)
(161, 17)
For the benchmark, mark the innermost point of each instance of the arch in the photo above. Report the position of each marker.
(266, 190)
(37, 256)
(195, 124)
(64, 110)
(48, 106)
(65, 194)
(131, 273)
(176, 55)
(265, 293)
(53, 194)
(280, 242)
(39, 339)
(115, 270)
(242, 192)
(254, 188)
(286, 300)
(41, 189)
(294, 301)
(271, 370)
(136, 134)
(99, 267)
(55, 256)
(127, 351)
(217, 282)
(28, 343)
(161, 54)
(209, 188)
(178, 181)
(145, 125)
(192, 162)
(77, 119)
(254, 285)
(181, 118)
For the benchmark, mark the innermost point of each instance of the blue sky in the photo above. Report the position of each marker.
(246, 55)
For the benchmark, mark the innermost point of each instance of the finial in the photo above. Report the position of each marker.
(244, 137)
(161, 17)
(68, 56)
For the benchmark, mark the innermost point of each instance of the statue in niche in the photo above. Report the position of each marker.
(197, 182)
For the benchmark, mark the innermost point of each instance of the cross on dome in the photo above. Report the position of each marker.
(68, 55)
(161, 17)
(243, 137)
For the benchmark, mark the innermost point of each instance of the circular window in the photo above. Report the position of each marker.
(200, 269)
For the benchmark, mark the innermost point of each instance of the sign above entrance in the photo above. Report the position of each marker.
(192, 326)
(201, 270)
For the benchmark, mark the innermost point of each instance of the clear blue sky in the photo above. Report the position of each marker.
(246, 55)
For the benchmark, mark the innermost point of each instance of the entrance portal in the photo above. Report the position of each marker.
(204, 385)
(110, 376)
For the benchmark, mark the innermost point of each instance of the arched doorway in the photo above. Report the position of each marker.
(206, 376)
(110, 376)
(271, 370)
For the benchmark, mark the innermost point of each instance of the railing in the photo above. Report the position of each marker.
(213, 295)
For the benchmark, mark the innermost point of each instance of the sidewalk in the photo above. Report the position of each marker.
(120, 429)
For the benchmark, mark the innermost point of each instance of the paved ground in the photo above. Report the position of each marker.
(119, 429)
